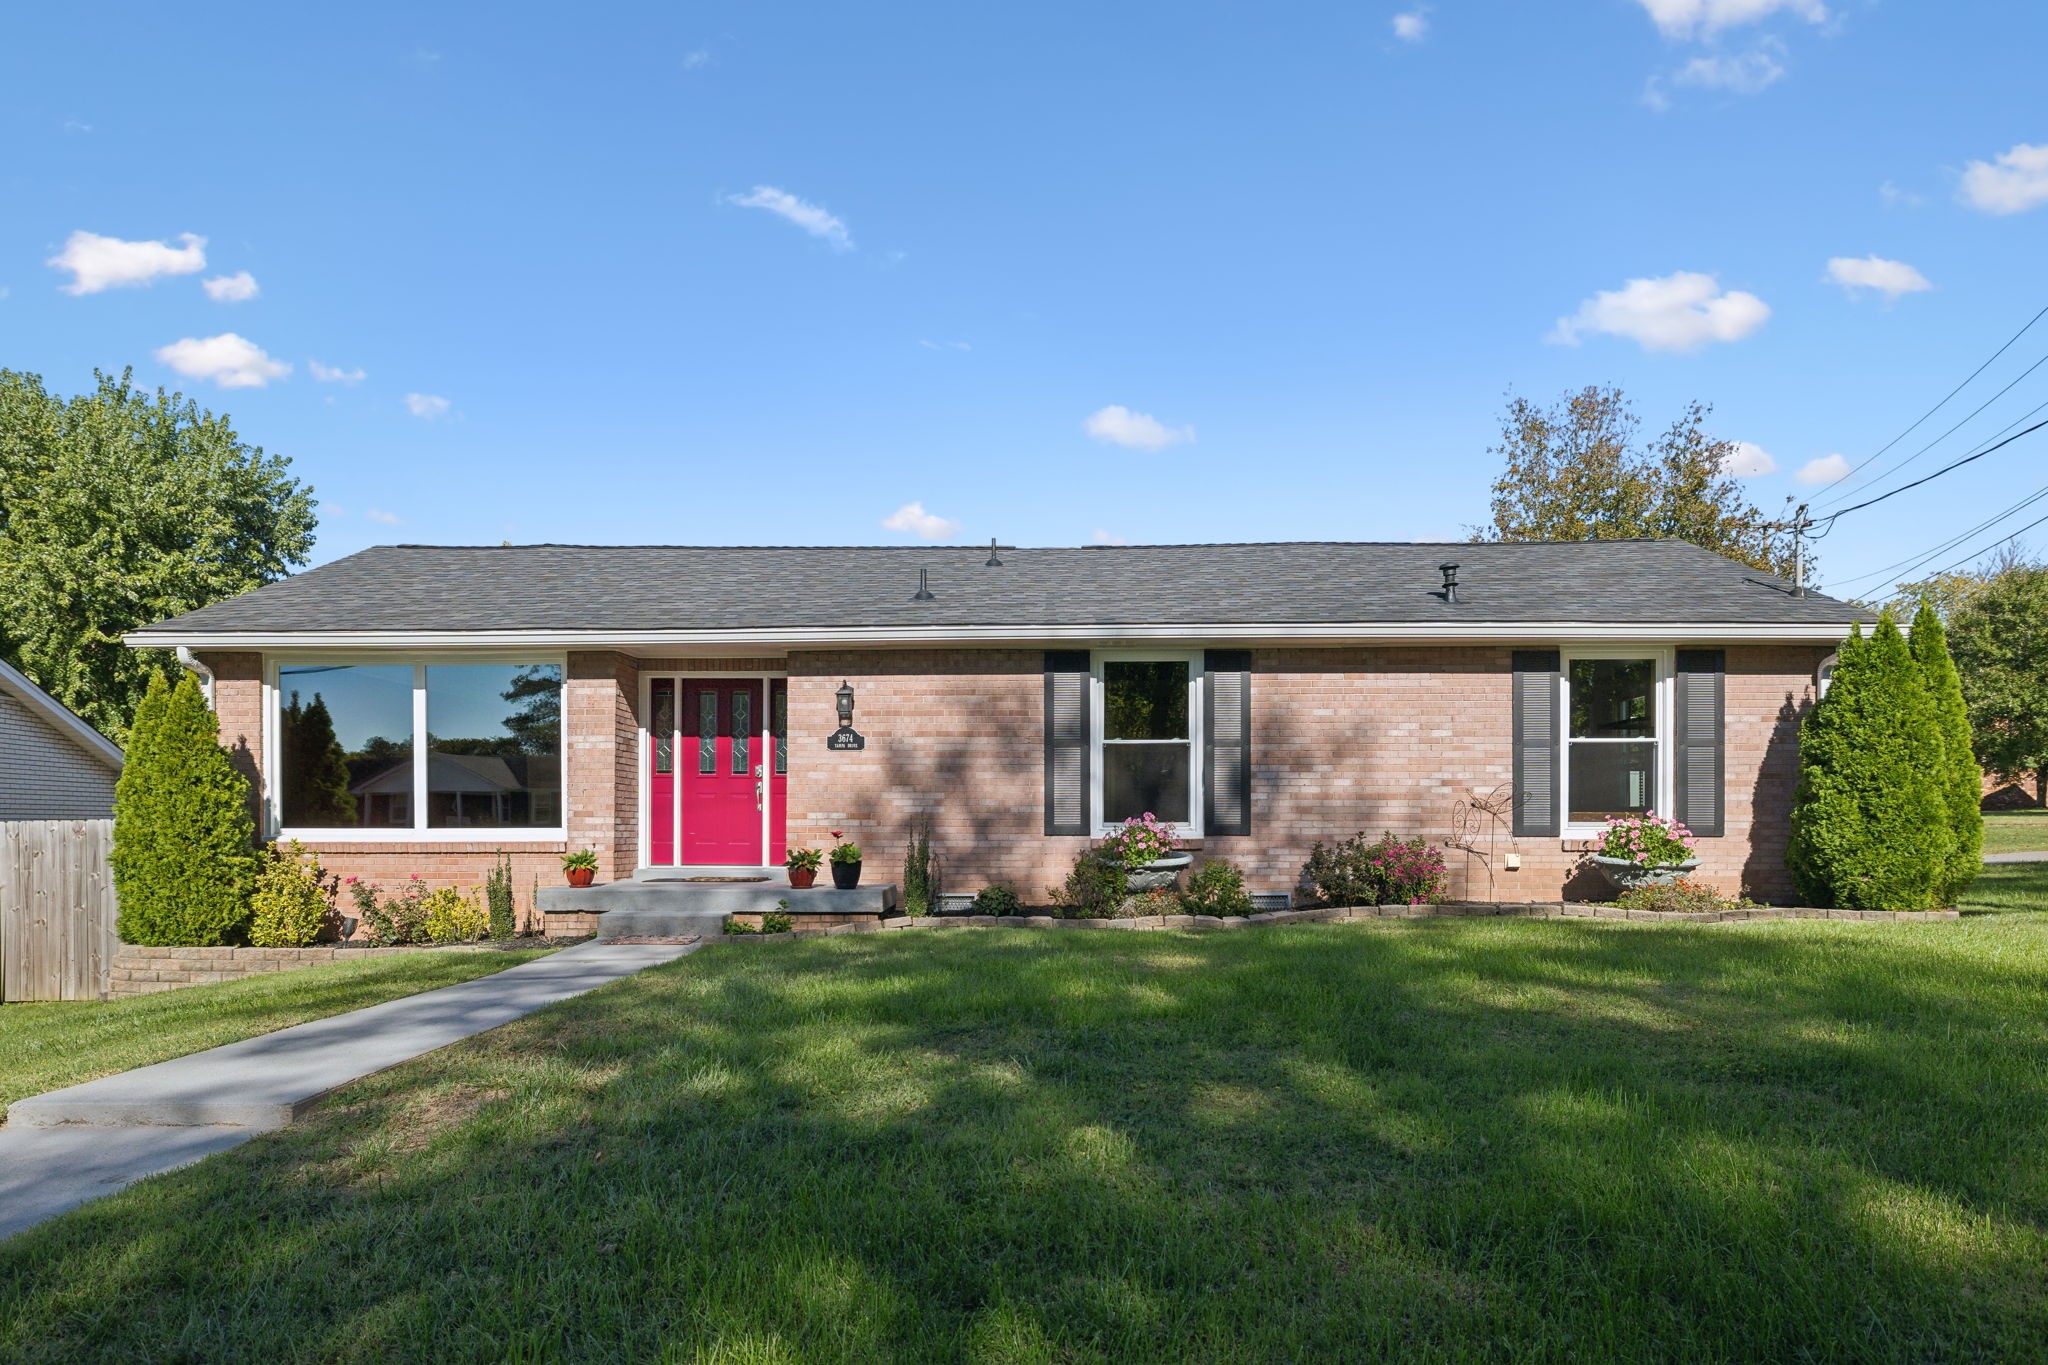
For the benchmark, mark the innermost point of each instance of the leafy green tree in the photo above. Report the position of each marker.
(184, 844)
(1962, 781)
(536, 721)
(1576, 471)
(1998, 634)
(118, 510)
(1869, 820)
(315, 785)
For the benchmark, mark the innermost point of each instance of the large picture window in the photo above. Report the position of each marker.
(412, 748)
(1612, 743)
(1147, 757)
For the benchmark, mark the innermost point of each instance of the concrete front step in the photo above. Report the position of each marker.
(660, 923)
(630, 909)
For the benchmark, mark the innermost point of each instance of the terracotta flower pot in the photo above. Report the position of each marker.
(581, 876)
(846, 876)
(801, 877)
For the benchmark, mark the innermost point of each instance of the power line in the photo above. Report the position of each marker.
(1851, 471)
(1915, 561)
(1976, 555)
(1929, 478)
(1958, 426)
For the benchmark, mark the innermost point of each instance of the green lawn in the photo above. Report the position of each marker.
(2016, 831)
(49, 1046)
(1456, 1139)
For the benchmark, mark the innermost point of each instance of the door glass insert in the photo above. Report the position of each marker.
(778, 725)
(707, 731)
(664, 726)
(742, 722)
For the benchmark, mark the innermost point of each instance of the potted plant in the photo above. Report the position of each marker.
(845, 856)
(803, 866)
(1644, 850)
(580, 867)
(1150, 852)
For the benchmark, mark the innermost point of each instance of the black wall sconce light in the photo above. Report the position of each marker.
(845, 695)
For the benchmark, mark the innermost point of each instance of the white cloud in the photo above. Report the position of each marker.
(1826, 469)
(97, 262)
(1889, 278)
(1118, 425)
(426, 405)
(334, 374)
(231, 361)
(1413, 26)
(72, 125)
(388, 518)
(806, 215)
(1679, 312)
(1748, 460)
(239, 287)
(1102, 537)
(912, 518)
(1896, 198)
(2012, 182)
(693, 60)
(1704, 18)
(1744, 73)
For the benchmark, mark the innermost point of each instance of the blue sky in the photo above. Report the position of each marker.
(753, 274)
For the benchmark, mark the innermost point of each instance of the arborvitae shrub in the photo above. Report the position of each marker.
(1962, 781)
(184, 854)
(1870, 819)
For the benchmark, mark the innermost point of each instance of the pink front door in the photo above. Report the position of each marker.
(717, 767)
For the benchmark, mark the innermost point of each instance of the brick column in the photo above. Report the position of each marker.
(600, 735)
(238, 706)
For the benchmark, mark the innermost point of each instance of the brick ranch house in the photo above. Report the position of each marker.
(416, 709)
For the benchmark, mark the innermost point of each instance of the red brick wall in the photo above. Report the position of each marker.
(1343, 740)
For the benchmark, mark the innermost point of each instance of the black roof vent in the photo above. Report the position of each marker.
(924, 591)
(1450, 573)
(994, 560)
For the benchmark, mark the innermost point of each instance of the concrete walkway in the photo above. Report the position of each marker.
(67, 1147)
(2016, 857)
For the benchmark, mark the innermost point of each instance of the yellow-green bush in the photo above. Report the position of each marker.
(291, 900)
(453, 917)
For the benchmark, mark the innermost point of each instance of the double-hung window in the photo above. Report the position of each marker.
(434, 750)
(1614, 736)
(1148, 757)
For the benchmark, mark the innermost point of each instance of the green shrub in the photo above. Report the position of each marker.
(920, 873)
(184, 857)
(1684, 896)
(392, 921)
(291, 903)
(777, 922)
(1870, 820)
(1095, 889)
(996, 899)
(498, 898)
(1962, 780)
(1387, 871)
(736, 925)
(1216, 888)
(452, 917)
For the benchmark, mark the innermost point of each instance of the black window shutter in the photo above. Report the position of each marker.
(1699, 741)
(1536, 730)
(1066, 741)
(1227, 741)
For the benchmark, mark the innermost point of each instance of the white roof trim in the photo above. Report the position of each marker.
(816, 637)
(16, 684)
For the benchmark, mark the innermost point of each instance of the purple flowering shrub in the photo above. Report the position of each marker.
(1648, 840)
(1387, 871)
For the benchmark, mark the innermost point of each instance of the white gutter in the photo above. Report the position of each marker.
(199, 670)
(819, 637)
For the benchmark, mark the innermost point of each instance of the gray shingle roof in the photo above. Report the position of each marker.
(630, 588)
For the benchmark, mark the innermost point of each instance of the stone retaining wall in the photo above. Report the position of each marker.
(1325, 915)
(140, 970)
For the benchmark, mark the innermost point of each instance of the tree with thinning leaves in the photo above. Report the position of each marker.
(117, 510)
(1578, 471)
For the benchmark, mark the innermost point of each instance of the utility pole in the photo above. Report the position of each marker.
(1801, 524)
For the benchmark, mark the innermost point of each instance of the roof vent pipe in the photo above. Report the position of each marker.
(994, 562)
(1450, 573)
(924, 591)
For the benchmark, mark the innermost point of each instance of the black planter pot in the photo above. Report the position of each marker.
(846, 876)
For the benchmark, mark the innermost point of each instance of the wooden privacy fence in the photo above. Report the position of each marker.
(56, 909)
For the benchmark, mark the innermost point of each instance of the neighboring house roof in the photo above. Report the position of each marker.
(60, 717)
(486, 773)
(626, 593)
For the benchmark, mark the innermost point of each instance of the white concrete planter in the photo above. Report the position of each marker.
(1159, 874)
(1624, 875)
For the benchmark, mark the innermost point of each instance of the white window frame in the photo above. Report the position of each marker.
(1191, 828)
(419, 832)
(1663, 697)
